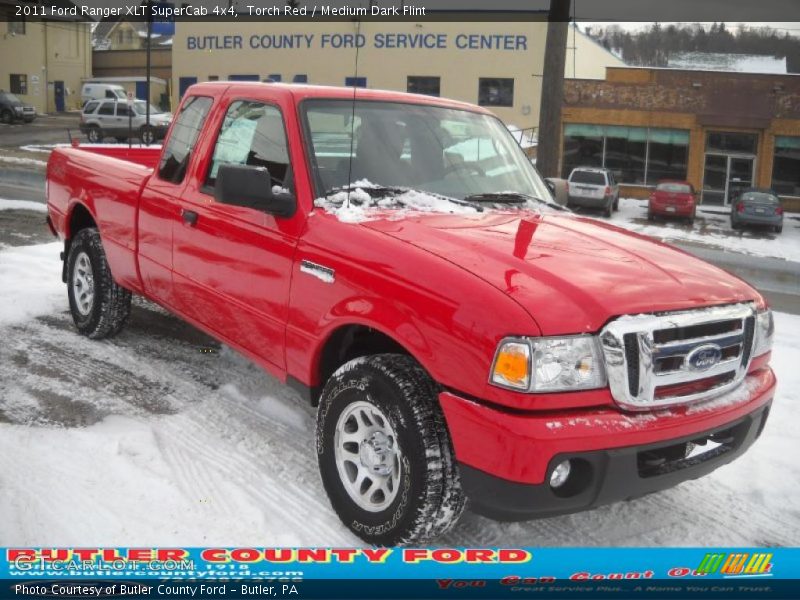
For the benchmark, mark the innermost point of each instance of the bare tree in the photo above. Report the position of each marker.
(555, 56)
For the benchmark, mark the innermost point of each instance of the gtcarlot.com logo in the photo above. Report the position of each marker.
(736, 564)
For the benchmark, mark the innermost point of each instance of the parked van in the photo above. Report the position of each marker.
(100, 91)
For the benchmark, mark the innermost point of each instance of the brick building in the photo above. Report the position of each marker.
(719, 130)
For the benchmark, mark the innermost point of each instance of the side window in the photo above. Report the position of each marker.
(90, 106)
(124, 110)
(252, 134)
(184, 134)
(107, 108)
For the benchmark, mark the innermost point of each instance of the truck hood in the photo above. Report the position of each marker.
(572, 274)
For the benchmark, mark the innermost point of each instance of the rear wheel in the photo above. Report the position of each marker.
(98, 305)
(384, 452)
(616, 203)
(778, 228)
(608, 210)
(95, 134)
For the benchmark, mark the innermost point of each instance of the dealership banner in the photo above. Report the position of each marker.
(400, 572)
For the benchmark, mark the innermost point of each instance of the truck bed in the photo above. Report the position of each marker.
(108, 180)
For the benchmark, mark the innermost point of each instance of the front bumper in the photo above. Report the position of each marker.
(589, 201)
(671, 210)
(506, 457)
(751, 219)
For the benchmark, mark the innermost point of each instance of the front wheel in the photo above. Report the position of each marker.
(384, 452)
(98, 305)
(6, 117)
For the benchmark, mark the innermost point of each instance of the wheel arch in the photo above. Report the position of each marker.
(350, 339)
(78, 217)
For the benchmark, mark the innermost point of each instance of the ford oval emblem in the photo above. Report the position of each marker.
(704, 357)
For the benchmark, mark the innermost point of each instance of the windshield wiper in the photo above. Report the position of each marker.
(510, 198)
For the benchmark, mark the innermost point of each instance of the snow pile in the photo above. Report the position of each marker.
(6, 204)
(30, 282)
(27, 162)
(712, 229)
(361, 206)
(202, 449)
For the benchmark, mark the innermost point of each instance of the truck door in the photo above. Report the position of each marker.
(159, 206)
(232, 265)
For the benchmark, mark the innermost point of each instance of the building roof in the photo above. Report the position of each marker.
(718, 61)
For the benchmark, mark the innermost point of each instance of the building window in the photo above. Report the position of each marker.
(213, 77)
(355, 82)
(786, 166)
(16, 25)
(495, 92)
(423, 85)
(626, 153)
(19, 84)
(636, 155)
(721, 141)
(275, 77)
(300, 79)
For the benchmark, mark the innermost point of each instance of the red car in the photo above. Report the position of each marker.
(462, 335)
(672, 199)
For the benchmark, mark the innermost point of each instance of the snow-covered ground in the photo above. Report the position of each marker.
(712, 228)
(162, 436)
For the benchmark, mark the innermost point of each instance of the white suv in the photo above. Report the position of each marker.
(593, 187)
(118, 119)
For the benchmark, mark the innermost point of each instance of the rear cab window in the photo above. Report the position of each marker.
(588, 177)
(182, 139)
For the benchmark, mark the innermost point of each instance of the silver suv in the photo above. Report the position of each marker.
(120, 120)
(593, 187)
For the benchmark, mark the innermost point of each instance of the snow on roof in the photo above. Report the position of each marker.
(718, 61)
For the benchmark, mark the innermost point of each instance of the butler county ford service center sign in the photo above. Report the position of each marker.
(400, 41)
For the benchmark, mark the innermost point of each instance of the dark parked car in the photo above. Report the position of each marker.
(672, 199)
(13, 109)
(757, 207)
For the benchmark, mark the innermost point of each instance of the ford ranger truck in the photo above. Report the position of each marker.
(398, 260)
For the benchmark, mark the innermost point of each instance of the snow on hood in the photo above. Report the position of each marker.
(361, 206)
(366, 202)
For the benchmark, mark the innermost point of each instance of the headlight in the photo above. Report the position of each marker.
(765, 328)
(552, 364)
(19, 109)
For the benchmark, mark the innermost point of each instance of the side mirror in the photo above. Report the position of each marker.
(251, 187)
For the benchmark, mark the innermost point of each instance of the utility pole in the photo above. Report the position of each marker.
(555, 57)
(147, 71)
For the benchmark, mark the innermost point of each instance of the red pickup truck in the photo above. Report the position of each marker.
(397, 259)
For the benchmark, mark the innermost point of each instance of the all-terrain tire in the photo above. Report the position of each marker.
(106, 313)
(429, 499)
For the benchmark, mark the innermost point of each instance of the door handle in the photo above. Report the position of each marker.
(189, 217)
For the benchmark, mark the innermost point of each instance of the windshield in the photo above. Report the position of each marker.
(10, 98)
(453, 153)
(140, 106)
(119, 93)
(762, 197)
(589, 177)
(675, 188)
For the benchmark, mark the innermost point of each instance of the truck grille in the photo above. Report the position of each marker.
(659, 360)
